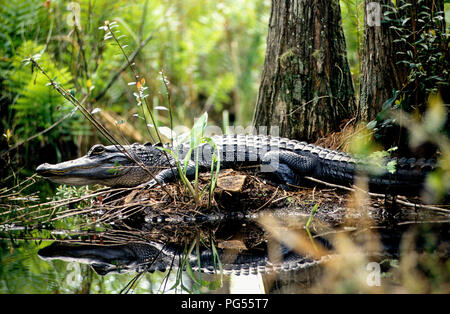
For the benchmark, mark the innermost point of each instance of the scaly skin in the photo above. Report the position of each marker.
(286, 161)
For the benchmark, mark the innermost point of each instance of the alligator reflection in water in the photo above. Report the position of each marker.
(241, 249)
(152, 256)
(234, 256)
(250, 256)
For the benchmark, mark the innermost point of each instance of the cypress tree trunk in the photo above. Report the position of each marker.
(306, 88)
(380, 73)
(420, 17)
(381, 67)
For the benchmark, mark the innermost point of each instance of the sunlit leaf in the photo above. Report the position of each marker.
(167, 132)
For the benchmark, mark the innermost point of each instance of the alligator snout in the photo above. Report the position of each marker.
(44, 169)
(41, 169)
(49, 170)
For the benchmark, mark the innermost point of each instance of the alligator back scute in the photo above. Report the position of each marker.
(324, 153)
(317, 150)
(298, 148)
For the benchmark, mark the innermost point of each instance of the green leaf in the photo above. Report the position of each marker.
(166, 132)
(388, 103)
(372, 124)
(198, 129)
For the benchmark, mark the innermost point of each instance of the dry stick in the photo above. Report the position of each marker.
(123, 236)
(44, 131)
(126, 211)
(121, 211)
(72, 213)
(3, 192)
(304, 104)
(131, 283)
(63, 202)
(412, 222)
(63, 214)
(115, 237)
(110, 236)
(136, 76)
(143, 18)
(265, 204)
(81, 45)
(108, 239)
(169, 102)
(166, 278)
(148, 264)
(378, 195)
(67, 95)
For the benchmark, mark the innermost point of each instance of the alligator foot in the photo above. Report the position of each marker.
(149, 184)
(287, 168)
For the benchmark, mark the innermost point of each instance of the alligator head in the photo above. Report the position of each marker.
(107, 165)
(106, 259)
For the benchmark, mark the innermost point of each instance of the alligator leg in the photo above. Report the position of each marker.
(288, 167)
(168, 175)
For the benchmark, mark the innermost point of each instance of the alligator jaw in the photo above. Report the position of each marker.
(105, 165)
(75, 172)
(85, 171)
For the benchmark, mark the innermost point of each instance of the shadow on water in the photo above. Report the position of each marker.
(285, 242)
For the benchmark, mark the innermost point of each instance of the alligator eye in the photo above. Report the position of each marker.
(97, 149)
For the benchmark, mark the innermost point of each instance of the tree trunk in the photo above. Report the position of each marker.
(405, 58)
(382, 70)
(306, 88)
(380, 73)
(428, 62)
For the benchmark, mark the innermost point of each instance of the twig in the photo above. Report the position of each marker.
(144, 15)
(266, 203)
(169, 103)
(123, 67)
(304, 104)
(330, 184)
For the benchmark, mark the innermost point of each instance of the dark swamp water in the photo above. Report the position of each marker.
(257, 239)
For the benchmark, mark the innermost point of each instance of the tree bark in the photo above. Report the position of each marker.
(380, 74)
(306, 88)
(420, 25)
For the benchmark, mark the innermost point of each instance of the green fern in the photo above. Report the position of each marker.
(19, 20)
(36, 105)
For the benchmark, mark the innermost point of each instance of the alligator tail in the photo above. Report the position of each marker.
(406, 176)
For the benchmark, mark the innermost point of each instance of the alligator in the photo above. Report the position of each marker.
(152, 256)
(285, 161)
